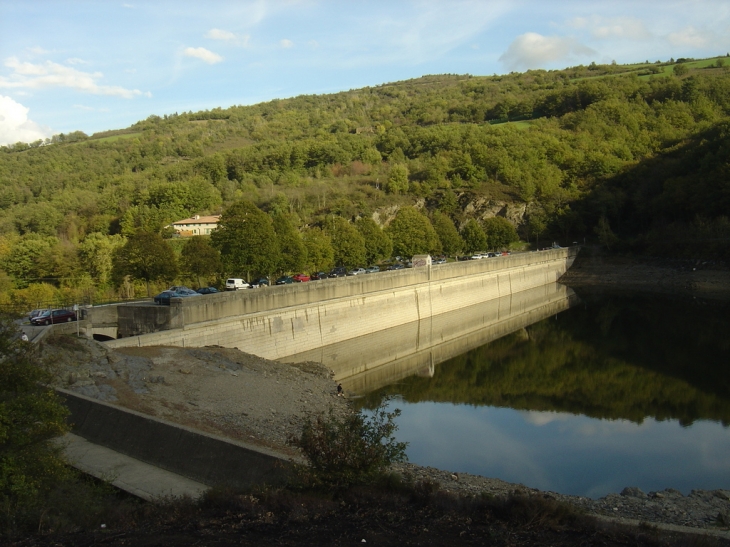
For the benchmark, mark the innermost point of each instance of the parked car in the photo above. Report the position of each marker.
(397, 266)
(236, 284)
(164, 296)
(284, 280)
(372, 269)
(182, 289)
(316, 276)
(439, 261)
(339, 271)
(260, 282)
(53, 316)
(207, 290)
(300, 278)
(36, 313)
(356, 271)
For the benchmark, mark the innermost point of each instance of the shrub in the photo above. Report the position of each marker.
(31, 415)
(353, 450)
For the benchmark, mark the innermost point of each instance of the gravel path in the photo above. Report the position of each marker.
(241, 396)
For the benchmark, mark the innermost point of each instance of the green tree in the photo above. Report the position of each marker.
(448, 204)
(145, 256)
(353, 450)
(412, 233)
(500, 233)
(320, 254)
(378, 245)
(31, 416)
(680, 70)
(293, 252)
(397, 179)
(605, 234)
(474, 237)
(449, 236)
(347, 243)
(537, 224)
(26, 260)
(246, 240)
(96, 254)
(199, 258)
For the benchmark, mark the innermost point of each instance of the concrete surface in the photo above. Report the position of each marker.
(277, 322)
(202, 457)
(129, 474)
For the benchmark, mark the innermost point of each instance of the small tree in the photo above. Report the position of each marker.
(397, 179)
(474, 237)
(412, 233)
(198, 258)
(246, 240)
(146, 256)
(353, 450)
(680, 70)
(293, 251)
(378, 245)
(347, 243)
(500, 232)
(449, 236)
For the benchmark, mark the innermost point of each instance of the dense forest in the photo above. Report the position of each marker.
(633, 157)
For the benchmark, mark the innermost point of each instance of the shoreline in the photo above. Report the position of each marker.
(672, 277)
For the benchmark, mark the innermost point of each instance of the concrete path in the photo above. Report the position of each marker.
(138, 478)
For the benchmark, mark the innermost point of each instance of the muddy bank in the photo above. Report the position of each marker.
(697, 278)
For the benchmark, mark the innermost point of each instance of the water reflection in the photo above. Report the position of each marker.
(619, 390)
(370, 362)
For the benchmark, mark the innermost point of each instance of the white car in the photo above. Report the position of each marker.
(236, 283)
(357, 271)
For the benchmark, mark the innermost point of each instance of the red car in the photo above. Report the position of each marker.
(53, 316)
(300, 278)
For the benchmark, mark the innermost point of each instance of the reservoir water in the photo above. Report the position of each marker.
(581, 394)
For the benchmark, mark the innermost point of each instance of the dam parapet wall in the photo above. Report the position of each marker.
(275, 322)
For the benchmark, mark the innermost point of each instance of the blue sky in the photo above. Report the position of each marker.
(68, 65)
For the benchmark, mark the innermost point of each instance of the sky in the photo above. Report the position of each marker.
(91, 66)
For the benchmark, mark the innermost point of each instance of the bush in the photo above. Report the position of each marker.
(31, 415)
(353, 450)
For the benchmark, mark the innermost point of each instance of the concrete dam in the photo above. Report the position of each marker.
(371, 330)
(282, 321)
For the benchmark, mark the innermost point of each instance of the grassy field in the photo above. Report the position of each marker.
(112, 138)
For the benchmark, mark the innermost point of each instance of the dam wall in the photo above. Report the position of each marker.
(276, 322)
(369, 362)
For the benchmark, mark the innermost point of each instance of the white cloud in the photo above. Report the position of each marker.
(76, 61)
(690, 37)
(228, 36)
(611, 27)
(15, 125)
(37, 50)
(203, 54)
(286, 44)
(533, 50)
(218, 34)
(50, 74)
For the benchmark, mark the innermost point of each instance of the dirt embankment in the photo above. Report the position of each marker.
(680, 276)
(219, 390)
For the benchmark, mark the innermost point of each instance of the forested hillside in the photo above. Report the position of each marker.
(634, 157)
